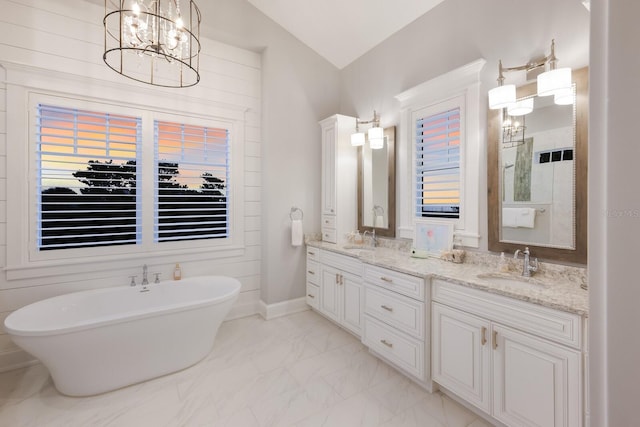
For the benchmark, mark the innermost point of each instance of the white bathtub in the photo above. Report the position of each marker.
(100, 340)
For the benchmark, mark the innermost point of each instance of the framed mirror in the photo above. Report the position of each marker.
(377, 186)
(537, 175)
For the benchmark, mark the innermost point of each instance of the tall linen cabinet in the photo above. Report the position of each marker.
(339, 178)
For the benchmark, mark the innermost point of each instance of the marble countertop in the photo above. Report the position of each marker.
(555, 287)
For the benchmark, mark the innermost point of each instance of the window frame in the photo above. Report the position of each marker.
(461, 85)
(23, 258)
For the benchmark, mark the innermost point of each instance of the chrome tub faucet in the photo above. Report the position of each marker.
(145, 281)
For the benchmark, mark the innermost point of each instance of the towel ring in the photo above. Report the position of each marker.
(295, 212)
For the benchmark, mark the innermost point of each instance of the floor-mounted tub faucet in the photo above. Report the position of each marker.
(145, 281)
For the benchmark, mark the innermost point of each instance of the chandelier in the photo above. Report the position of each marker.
(153, 41)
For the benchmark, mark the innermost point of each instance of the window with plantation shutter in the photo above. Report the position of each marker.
(191, 182)
(438, 165)
(87, 178)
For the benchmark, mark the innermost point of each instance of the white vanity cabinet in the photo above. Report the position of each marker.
(338, 289)
(339, 178)
(519, 362)
(395, 321)
(313, 277)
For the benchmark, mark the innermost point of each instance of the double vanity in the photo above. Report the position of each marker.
(512, 347)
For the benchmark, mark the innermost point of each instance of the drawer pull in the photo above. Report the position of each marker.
(337, 279)
(495, 340)
(386, 279)
(483, 340)
(311, 272)
(384, 307)
(311, 253)
(311, 296)
(388, 344)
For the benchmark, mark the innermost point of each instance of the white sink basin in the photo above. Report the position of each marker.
(513, 281)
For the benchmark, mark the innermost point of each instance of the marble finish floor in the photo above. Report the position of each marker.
(299, 370)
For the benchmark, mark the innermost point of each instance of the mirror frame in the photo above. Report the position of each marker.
(390, 231)
(579, 254)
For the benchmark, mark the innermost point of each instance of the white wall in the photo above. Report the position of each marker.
(66, 38)
(455, 33)
(299, 88)
(614, 213)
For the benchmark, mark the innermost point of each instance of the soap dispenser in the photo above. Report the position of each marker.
(503, 266)
(177, 272)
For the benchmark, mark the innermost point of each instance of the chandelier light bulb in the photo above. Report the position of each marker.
(136, 9)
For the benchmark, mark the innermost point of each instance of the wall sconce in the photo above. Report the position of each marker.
(375, 133)
(555, 81)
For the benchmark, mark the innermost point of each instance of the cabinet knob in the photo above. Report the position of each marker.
(388, 344)
(384, 307)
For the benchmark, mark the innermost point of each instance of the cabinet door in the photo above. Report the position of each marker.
(536, 382)
(329, 170)
(352, 292)
(329, 297)
(461, 354)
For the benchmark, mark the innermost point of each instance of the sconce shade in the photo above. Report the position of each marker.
(553, 81)
(520, 108)
(376, 144)
(153, 41)
(357, 139)
(376, 137)
(502, 96)
(564, 97)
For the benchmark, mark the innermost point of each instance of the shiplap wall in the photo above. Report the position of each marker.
(67, 37)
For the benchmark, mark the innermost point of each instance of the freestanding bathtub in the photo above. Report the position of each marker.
(100, 340)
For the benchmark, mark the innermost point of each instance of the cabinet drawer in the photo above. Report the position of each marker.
(396, 310)
(313, 295)
(342, 262)
(313, 272)
(405, 284)
(313, 254)
(398, 348)
(329, 235)
(556, 325)
(328, 221)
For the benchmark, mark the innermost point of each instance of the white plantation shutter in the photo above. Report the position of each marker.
(191, 182)
(438, 165)
(87, 178)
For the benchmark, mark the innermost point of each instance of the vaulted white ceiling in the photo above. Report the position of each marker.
(343, 30)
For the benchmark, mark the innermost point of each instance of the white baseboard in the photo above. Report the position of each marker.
(244, 309)
(16, 359)
(284, 308)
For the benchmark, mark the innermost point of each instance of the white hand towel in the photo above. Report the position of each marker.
(378, 222)
(296, 232)
(510, 217)
(526, 218)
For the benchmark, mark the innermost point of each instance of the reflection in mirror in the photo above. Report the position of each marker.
(537, 176)
(537, 173)
(376, 186)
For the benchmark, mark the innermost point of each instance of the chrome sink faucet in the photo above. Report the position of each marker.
(527, 268)
(374, 239)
